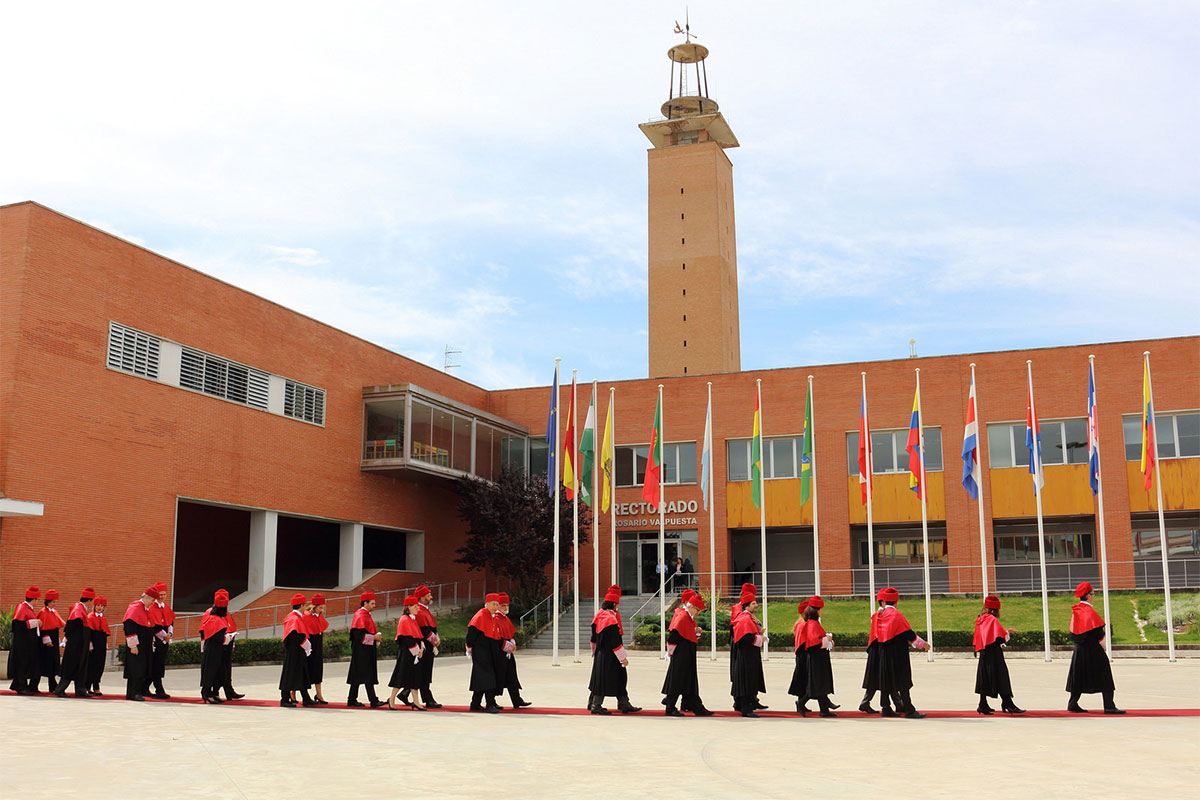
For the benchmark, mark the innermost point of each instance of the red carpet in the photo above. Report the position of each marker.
(655, 712)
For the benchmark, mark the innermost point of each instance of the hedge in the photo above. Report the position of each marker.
(248, 651)
(647, 636)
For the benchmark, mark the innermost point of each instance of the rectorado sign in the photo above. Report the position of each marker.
(637, 510)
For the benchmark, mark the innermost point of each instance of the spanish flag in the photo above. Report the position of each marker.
(569, 456)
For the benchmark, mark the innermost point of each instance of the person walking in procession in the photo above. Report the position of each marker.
(293, 676)
(895, 672)
(364, 653)
(508, 647)
(51, 626)
(991, 674)
(748, 679)
(799, 684)
(428, 626)
(483, 650)
(315, 625)
(23, 663)
(75, 654)
(818, 645)
(682, 639)
(609, 659)
(214, 638)
(139, 635)
(164, 628)
(98, 634)
(410, 649)
(1090, 671)
(870, 682)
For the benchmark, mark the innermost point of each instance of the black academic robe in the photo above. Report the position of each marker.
(137, 666)
(23, 657)
(48, 660)
(95, 657)
(426, 664)
(406, 674)
(799, 684)
(609, 678)
(158, 657)
(895, 671)
(363, 667)
(991, 673)
(75, 653)
(870, 680)
(681, 671)
(227, 667)
(485, 657)
(316, 659)
(820, 672)
(1090, 671)
(748, 679)
(212, 661)
(294, 674)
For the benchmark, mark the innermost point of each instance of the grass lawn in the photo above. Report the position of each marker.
(1018, 613)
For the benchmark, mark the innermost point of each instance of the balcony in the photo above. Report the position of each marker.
(412, 432)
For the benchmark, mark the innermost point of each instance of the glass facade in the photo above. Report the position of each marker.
(890, 451)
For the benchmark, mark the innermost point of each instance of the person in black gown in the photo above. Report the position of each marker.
(99, 633)
(139, 633)
(483, 650)
(895, 672)
(75, 654)
(293, 676)
(682, 680)
(508, 678)
(748, 679)
(23, 665)
(51, 628)
(316, 625)
(1090, 671)
(410, 649)
(817, 645)
(214, 638)
(609, 677)
(364, 653)
(799, 684)
(870, 681)
(991, 674)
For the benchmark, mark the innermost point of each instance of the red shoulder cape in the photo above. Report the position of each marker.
(362, 619)
(798, 634)
(604, 618)
(1084, 618)
(315, 623)
(987, 630)
(78, 611)
(890, 624)
(873, 633)
(50, 619)
(98, 623)
(685, 624)
(211, 625)
(813, 632)
(294, 621)
(505, 626)
(24, 613)
(485, 623)
(425, 618)
(745, 623)
(407, 626)
(137, 612)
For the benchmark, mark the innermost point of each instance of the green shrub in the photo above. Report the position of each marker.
(5, 630)
(1185, 610)
(249, 651)
(647, 636)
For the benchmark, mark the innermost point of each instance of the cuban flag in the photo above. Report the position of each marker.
(1093, 433)
(1033, 441)
(972, 476)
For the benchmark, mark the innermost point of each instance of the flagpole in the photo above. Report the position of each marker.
(575, 507)
(924, 522)
(1094, 439)
(1035, 451)
(662, 536)
(712, 527)
(812, 469)
(979, 450)
(612, 484)
(556, 572)
(870, 523)
(1162, 525)
(762, 522)
(595, 508)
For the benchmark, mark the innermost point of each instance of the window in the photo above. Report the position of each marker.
(1063, 442)
(889, 451)
(780, 457)
(896, 552)
(679, 465)
(1059, 546)
(304, 402)
(219, 377)
(1183, 541)
(132, 351)
(1177, 435)
(385, 429)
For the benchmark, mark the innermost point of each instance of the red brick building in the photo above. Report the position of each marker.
(175, 427)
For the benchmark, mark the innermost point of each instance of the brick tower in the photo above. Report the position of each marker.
(693, 285)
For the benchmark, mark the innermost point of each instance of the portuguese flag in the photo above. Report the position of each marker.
(652, 489)
(756, 474)
(806, 452)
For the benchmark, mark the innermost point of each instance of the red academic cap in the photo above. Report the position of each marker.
(221, 598)
(503, 598)
(88, 593)
(1083, 590)
(991, 601)
(749, 587)
(162, 587)
(615, 588)
(879, 595)
(100, 601)
(696, 601)
(422, 591)
(612, 596)
(318, 599)
(411, 600)
(816, 602)
(491, 597)
(151, 592)
(33, 593)
(747, 597)
(889, 595)
(803, 605)
(297, 599)
(366, 596)
(52, 594)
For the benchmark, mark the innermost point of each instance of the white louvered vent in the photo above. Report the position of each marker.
(222, 378)
(304, 402)
(132, 351)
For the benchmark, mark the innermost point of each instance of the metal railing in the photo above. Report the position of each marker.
(542, 613)
(263, 621)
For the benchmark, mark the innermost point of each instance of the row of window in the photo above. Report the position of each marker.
(140, 353)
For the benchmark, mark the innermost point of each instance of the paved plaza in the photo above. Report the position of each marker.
(112, 748)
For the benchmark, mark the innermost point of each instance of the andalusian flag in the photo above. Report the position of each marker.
(570, 456)
(756, 473)
(652, 490)
(806, 452)
(606, 460)
(1147, 425)
(587, 452)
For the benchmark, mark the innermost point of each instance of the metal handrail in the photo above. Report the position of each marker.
(564, 590)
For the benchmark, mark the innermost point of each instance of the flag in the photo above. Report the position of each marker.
(1147, 426)
(756, 473)
(552, 434)
(1093, 433)
(914, 446)
(587, 452)
(706, 455)
(972, 474)
(570, 456)
(1033, 434)
(806, 452)
(864, 451)
(652, 488)
(606, 461)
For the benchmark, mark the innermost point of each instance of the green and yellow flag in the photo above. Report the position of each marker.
(806, 452)
(756, 473)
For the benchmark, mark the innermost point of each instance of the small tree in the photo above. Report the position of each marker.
(510, 530)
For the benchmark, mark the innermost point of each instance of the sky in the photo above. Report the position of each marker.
(975, 176)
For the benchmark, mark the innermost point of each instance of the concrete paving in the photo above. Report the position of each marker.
(101, 749)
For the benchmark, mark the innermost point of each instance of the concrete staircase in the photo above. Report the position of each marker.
(543, 643)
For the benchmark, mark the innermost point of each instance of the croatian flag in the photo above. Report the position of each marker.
(972, 475)
(1033, 441)
(1093, 433)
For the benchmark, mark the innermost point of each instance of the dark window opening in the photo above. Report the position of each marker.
(685, 370)
(384, 549)
(212, 551)
(307, 552)
(685, 342)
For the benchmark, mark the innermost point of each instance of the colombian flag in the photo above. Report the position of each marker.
(914, 446)
(1147, 426)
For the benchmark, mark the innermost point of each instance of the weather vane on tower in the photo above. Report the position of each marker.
(686, 30)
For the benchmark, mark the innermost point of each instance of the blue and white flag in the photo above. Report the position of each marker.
(972, 475)
(1093, 433)
(552, 435)
(706, 456)
(1033, 441)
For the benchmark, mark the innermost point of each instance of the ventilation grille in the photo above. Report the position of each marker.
(304, 402)
(221, 378)
(132, 351)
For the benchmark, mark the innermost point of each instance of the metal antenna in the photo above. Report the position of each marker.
(447, 366)
(912, 348)
(686, 30)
